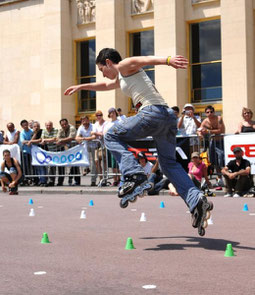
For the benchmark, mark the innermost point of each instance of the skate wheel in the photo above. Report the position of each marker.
(134, 200)
(123, 205)
(201, 231)
(208, 214)
(205, 224)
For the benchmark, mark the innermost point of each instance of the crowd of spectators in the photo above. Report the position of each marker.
(66, 136)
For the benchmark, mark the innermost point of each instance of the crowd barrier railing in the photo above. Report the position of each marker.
(212, 144)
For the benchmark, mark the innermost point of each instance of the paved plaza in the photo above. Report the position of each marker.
(88, 256)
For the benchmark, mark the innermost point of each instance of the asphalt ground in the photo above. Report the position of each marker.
(88, 256)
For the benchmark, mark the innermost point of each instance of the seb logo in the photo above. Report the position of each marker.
(248, 149)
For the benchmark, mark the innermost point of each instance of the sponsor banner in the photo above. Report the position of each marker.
(76, 156)
(13, 148)
(246, 142)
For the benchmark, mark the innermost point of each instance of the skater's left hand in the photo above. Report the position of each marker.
(178, 62)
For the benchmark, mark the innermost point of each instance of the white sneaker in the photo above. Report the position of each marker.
(228, 195)
(236, 196)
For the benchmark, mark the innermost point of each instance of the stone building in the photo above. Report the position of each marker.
(48, 45)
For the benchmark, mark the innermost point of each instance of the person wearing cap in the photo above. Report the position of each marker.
(237, 174)
(198, 170)
(99, 126)
(188, 123)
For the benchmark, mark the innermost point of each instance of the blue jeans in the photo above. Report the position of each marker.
(160, 123)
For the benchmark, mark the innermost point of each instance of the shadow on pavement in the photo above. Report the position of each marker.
(196, 242)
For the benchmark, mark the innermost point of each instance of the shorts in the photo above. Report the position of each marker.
(8, 176)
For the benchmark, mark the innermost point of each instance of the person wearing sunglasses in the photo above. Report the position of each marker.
(247, 125)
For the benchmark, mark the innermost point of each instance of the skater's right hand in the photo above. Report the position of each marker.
(178, 62)
(4, 189)
(72, 89)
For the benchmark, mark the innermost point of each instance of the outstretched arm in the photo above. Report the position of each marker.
(132, 64)
(97, 86)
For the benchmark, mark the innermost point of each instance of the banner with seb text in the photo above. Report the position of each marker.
(75, 156)
(246, 142)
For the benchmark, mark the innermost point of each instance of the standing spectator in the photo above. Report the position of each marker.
(176, 111)
(25, 137)
(214, 125)
(120, 116)
(49, 137)
(100, 153)
(237, 175)
(198, 170)
(40, 171)
(1, 136)
(113, 115)
(188, 124)
(12, 135)
(65, 136)
(247, 125)
(30, 124)
(84, 134)
(14, 175)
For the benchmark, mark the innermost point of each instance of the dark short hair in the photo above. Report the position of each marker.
(108, 53)
(84, 117)
(176, 109)
(119, 110)
(6, 151)
(62, 120)
(210, 108)
(23, 121)
(142, 155)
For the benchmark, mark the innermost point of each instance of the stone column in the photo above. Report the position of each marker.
(237, 29)
(110, 32)
(170, 39)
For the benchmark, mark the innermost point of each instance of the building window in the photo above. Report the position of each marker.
(205, 58)
(86, 73)
(141, 44)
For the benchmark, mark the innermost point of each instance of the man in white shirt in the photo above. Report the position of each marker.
(146, 165)
(84, 134)
(12, 135)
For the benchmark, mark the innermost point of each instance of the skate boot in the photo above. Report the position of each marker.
(200, 215)
(134, 185)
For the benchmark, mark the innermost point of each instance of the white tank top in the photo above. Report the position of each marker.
(141, 89)
(11, 135)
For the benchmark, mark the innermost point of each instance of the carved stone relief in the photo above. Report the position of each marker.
(142, 6)
(86, 11)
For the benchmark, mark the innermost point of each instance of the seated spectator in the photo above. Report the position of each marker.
(237, 174)
(120, 116)
(146, 165)
(25, 137)
(214, 125)
(40, 171)
(65, 136)
(13, 177)
(84, 134)
(188, 123)
(158, 179)
(12, 135)
(247, 125)
(49, 137)
(198, 170)
(100, 125)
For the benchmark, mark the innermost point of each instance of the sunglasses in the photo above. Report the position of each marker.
(247, 113)
(209, 112)
(99, 115)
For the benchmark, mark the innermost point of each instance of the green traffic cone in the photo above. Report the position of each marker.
(229, 251)
(129, 244)
(45, 239)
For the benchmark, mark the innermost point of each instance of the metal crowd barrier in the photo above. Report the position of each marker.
(188, 144)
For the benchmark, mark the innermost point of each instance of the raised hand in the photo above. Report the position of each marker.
(72, 89)
(178, 62)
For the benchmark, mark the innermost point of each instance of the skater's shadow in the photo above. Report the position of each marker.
(195, 242)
